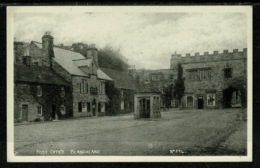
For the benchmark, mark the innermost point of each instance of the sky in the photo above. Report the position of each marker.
(147, 40)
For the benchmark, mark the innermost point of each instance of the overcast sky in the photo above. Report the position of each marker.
(147, 40)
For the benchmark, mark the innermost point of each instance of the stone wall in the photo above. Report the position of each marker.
(87, 97)
(215, 64)
(26, 93)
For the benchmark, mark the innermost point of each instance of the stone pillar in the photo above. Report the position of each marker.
(151, 107)
(136, 105)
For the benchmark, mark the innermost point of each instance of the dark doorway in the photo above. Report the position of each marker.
(144, 108)
(24, 112)
(227, 97)
(94, 107)
(200, 102)
(53, 111)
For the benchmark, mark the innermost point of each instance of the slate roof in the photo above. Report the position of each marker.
(37, 74)
(71, 61)
(121, 79)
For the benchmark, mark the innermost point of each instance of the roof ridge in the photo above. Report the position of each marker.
(55, 46)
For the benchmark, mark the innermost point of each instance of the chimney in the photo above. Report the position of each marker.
(92, 52)
(47, 48)
(26, 58)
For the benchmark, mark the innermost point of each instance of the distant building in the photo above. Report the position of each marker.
(215, 80)
(120, 91)
(159, 80)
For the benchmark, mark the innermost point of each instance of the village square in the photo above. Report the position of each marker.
(79, 98)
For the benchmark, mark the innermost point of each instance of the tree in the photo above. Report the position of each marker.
(111, 59)
(107, 56)
(168, 96)
(179, 86)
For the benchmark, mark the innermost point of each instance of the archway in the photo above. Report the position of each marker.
(144, 108)
(235, 94)
(227, 97)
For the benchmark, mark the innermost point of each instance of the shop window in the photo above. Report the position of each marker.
(189, 101)
(39, 90)
(39, 110)
(211, 99)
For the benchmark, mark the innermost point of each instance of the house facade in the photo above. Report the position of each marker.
(120, 91)
(40, 94)
(215, 80)
(86, 79)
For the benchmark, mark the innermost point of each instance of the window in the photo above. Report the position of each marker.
(189, 101)
(155, 77)
(102, 88)
(174, 103)
(62, 109)
(211, 99)
(80, 107)
(171, 76)
(199, 74)
(62, 92)
(84, 106)
(39, 90)
(83, 86)
(228, 73)
(39, 110)
(163, 90)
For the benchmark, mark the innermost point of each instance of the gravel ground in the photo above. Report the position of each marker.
(193, 132)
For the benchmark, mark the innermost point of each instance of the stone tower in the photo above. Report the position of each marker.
(47, 49)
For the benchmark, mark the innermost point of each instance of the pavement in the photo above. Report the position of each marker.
(185, 132)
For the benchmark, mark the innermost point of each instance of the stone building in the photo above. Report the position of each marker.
(120, 91)
(215, 80)
(83, 73)
(158, 79)
(40, 93)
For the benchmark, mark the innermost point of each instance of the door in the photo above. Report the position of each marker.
(53, 111)
(94, 107)
(200, 102)
(24, 112)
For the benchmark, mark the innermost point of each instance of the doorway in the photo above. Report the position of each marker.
(228, 96)
(53, 112)
(25, 112)
(200, 102)
(144, 108)
(94, 107)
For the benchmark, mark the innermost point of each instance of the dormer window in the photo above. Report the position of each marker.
(39, 91)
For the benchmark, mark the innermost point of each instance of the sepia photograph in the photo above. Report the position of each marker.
(129, 83)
